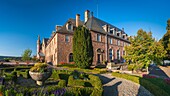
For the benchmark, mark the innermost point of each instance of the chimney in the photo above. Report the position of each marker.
(123, 29)
(77, 19)
(87, 15)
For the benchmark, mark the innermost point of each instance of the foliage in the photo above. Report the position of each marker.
(75, 83)
(62, 83)
(1, 88)
(144, 49)
(55, 75)
(26, 55)
(79, 75)
(82, 48)
(39, 67)
(151, 84)
(165, 40)
(76, 91)
(67, 65)
(7, 59)
(96, 82)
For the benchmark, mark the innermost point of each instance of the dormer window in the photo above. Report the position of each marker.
(124, 36)
(111, 31)
(106, 28)
(69, 26)
(118, 34)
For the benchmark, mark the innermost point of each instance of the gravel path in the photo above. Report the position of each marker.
(114, 86)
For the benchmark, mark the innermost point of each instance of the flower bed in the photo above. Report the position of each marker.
(148, 76)
(167, 80)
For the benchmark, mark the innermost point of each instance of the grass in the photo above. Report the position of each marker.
(155, 85)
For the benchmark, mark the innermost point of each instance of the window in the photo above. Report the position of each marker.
(98, 37)
(123, 36)
(118, 54)
(111, 31)
(118, 34)
(71, 57)
(111, 41)
(123, 52)
(66, 38)
(69, 26)
(110, 54)
(118, 42)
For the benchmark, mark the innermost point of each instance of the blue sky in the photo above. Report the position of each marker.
(21, 21)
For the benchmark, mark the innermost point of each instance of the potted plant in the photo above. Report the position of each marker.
(40, 72)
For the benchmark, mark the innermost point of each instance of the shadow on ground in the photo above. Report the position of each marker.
(109, 89)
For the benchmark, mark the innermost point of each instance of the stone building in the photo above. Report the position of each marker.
(108, 41)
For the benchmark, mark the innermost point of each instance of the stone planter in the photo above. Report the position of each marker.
(40, 77)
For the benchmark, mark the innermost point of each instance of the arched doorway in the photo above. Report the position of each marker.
(70, 57)
(99, 55)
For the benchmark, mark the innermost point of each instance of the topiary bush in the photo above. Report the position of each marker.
(96, 82)
(14, 76)
(75, 82)
(62, 83)
(27, 74)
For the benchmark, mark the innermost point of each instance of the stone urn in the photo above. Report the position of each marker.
(40, 77)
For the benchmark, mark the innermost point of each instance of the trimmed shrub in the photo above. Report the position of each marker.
(75, 83)
(96, 82)
(62, 83)
(1, 88)
(76, 91)
(14, 76)
(27, 74)
(63, 76)
(55, 75)
(96, 92)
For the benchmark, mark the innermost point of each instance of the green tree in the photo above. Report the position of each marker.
(144, 49)
(165, 40)
(26, 56)
(82, 48)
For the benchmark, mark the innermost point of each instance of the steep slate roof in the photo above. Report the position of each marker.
(92, 23)
(73, 21)
(96, 24)
(45, 40)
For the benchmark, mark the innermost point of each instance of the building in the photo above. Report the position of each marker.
(108, 41)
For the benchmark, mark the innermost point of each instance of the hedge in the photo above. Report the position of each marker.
(75, 83)
(62, 83)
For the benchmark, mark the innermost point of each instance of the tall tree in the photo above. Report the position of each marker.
(144, 49)
(82, 48)
(26, 56)
(165, 40)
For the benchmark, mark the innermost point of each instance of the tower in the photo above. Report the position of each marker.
(38, 46)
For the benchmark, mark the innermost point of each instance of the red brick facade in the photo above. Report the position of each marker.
(106, 46)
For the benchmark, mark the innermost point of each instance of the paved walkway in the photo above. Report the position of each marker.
(114, 86)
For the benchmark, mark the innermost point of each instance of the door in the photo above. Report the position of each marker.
(98, 58)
